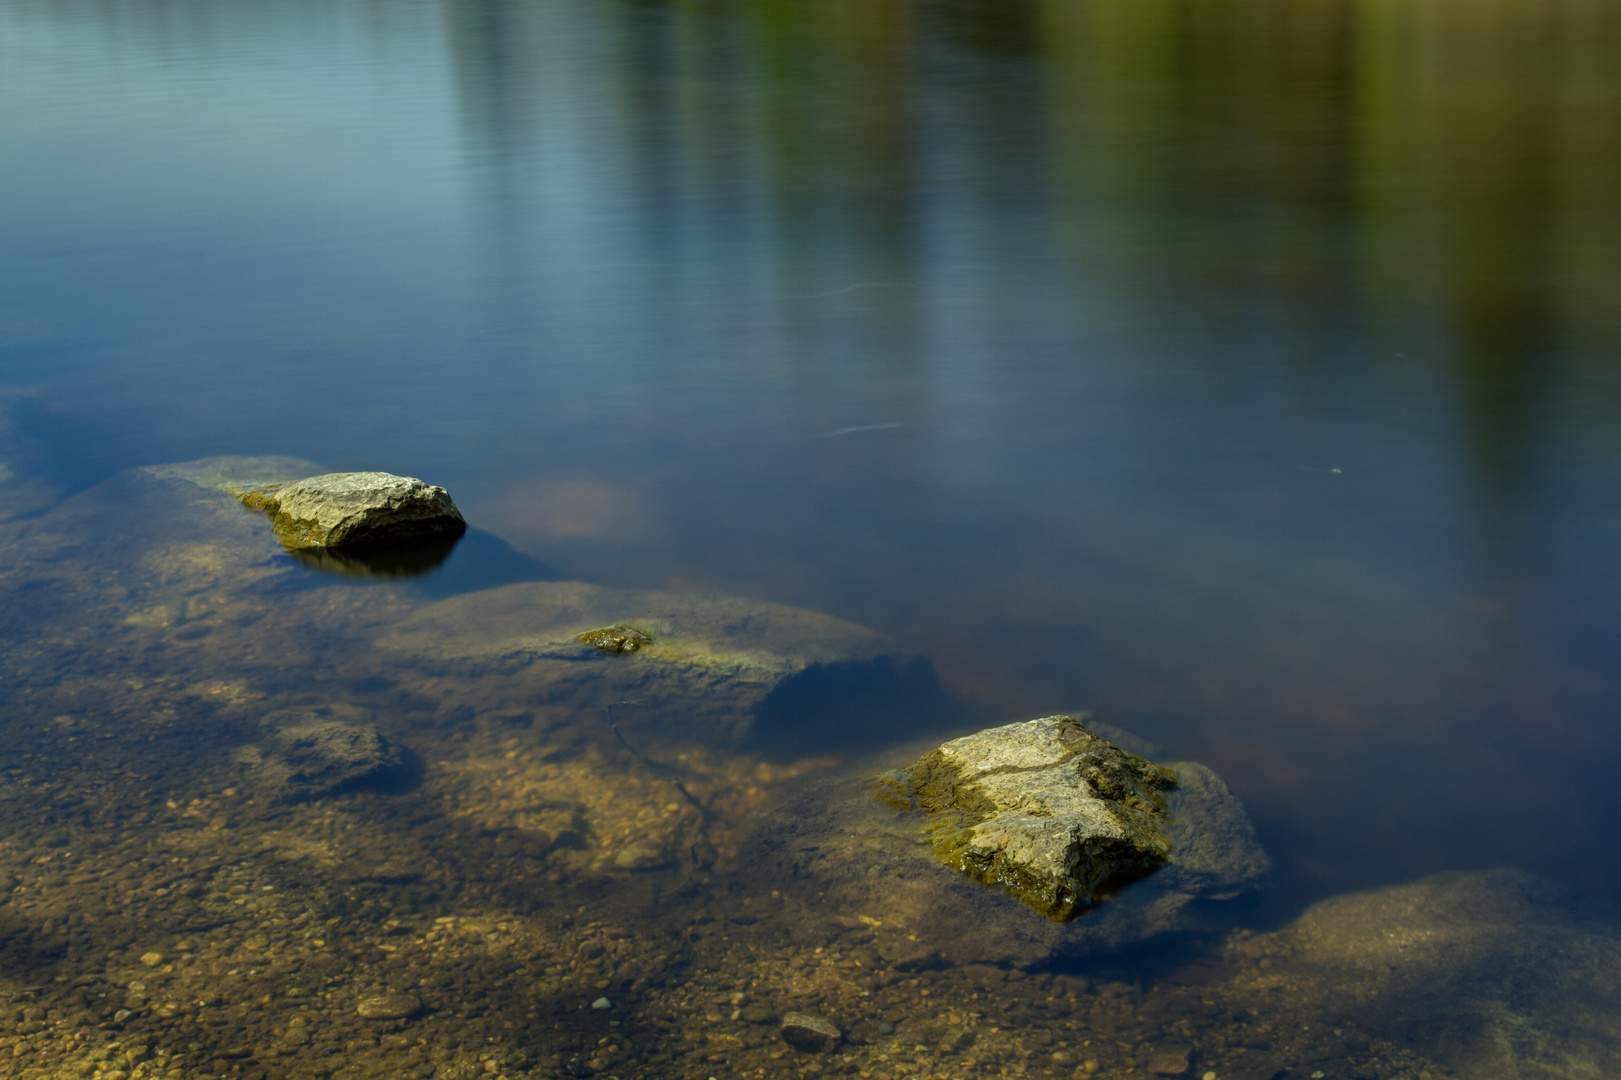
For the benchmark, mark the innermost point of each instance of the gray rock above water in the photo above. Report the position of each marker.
(357, 510)
(858, 854)
(1045, 809)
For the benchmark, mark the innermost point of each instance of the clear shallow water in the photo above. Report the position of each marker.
(1244, 373)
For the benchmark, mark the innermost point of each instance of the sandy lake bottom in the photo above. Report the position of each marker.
(553, 887)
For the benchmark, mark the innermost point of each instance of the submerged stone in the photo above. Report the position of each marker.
(711, 669)
(809, 1034)
(356, 510)
(389, 1006)
(304, 755)
(1498, 974)
(1046, 809)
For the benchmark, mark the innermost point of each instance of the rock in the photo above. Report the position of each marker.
(389, 1006)
(1045, 809)
(809, 1034)
(356, 510)
(308, 755)
(1169, 1061)
(602, 1003)
(886, 1028)
(152, 959)
(867, 855)
(758, 1014)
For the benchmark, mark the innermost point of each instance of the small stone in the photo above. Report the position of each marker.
(1318, 1075)
(758, 1014)
(886, 1028)
(151, 959)
(1063, 1057)
(1211, 1075)
(121, 1015)
(1169, 1061)
(389, 1006)
(602, 1003)
(639, 858)
(809, 1034)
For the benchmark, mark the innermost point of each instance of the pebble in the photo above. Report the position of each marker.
(809, 1034)
(602, 1003)
(152, 959)
(886, 1028)
(389, 1006)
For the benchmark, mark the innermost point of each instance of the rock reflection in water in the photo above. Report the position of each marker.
(403, 561)
(165, 915)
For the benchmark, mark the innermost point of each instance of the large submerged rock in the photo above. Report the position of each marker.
(875, 858)
(305, 755)
(1046, 809)
(712, 669)
(1496, 973)
(357, 510)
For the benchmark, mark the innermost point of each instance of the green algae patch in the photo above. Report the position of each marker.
(261, 497)
(1047, 810)
(615, 639)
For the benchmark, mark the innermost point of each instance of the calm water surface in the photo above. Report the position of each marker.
(1247, 372)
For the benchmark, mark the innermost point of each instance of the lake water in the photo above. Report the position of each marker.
(1246, 373)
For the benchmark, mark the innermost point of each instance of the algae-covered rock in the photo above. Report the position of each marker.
(1046, 809)
(356, 510)
(868, 856)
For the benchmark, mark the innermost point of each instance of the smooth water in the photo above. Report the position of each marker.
(1244, 372)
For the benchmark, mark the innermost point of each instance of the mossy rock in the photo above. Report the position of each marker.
(355, 510)
(1046, 809)
(898, 861)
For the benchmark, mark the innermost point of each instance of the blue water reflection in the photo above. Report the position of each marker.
(1244, 372)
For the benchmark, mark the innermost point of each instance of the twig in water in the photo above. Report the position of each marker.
(666, 771)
